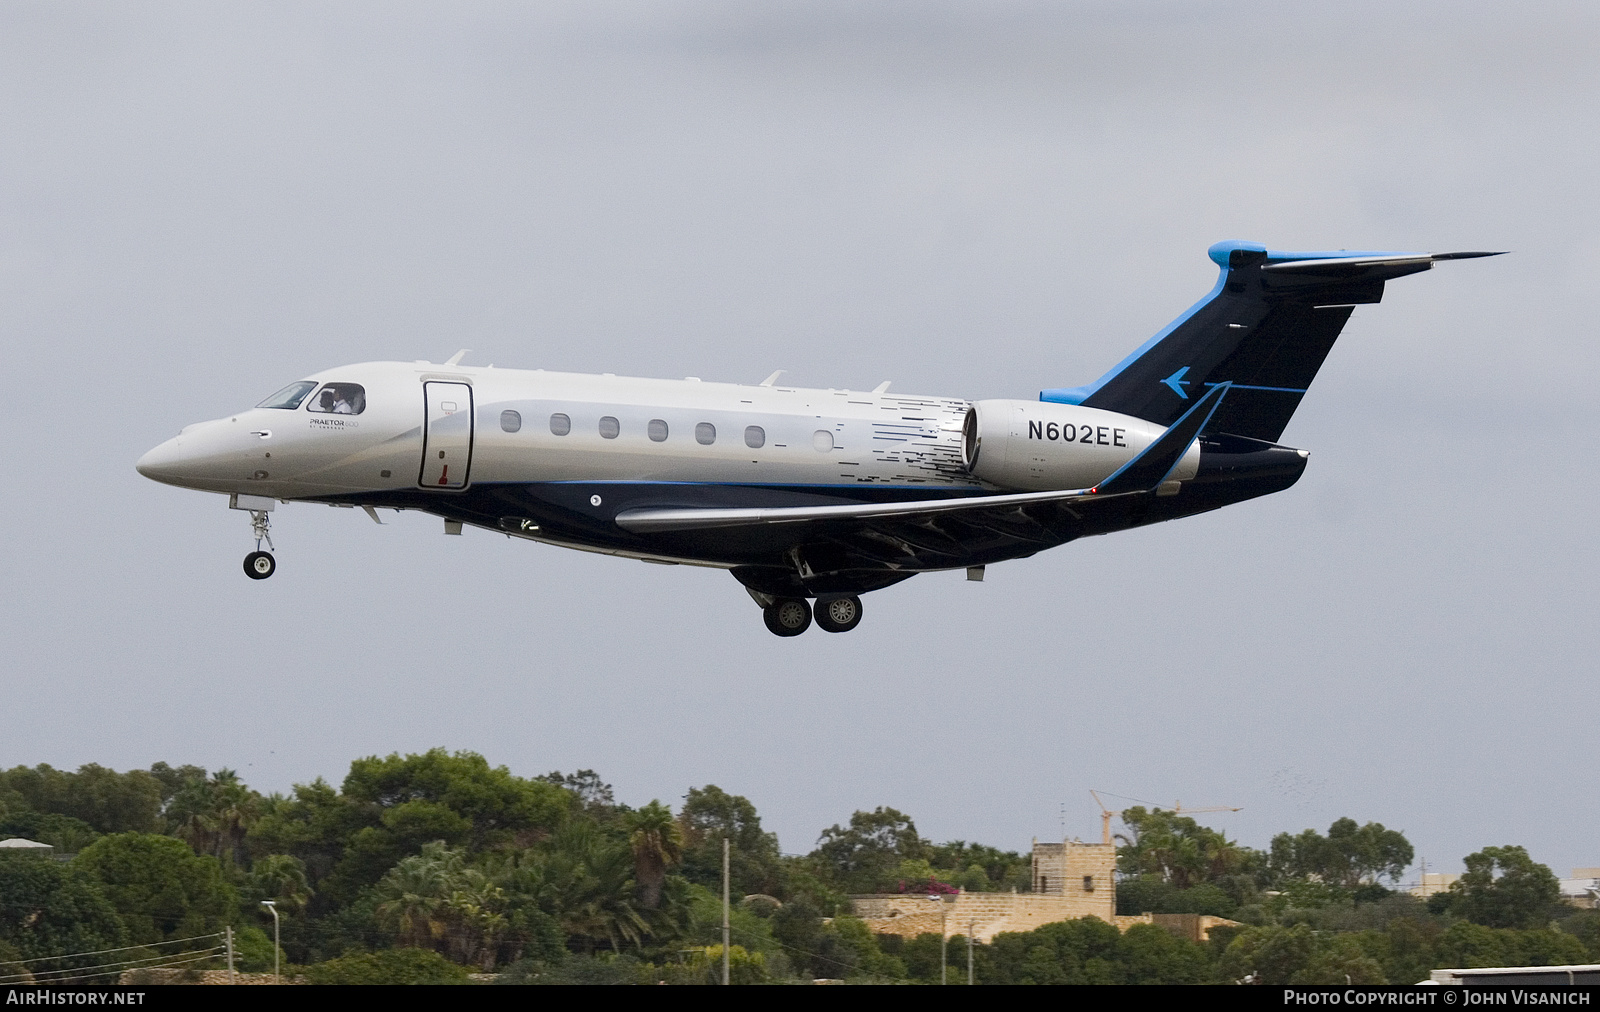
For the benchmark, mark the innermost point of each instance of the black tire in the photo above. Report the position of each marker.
(260, 565)
(787, 616)
(841, 614)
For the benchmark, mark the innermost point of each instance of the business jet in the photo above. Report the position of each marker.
(808, 495)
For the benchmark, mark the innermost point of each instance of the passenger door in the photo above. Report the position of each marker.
(446, 436)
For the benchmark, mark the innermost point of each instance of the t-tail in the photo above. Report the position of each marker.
(1265, 329)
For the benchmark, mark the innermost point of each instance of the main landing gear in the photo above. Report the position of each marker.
(791, 616)
(259, 565)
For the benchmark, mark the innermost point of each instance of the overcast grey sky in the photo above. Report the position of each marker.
(200, 203)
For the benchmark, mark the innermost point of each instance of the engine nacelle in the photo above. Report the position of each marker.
(1035, 446)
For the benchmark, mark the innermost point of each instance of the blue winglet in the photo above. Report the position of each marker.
(1151, 467)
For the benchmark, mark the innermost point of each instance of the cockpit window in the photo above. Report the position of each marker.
(290, 396)
(339, 399)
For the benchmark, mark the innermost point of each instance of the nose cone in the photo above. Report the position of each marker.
(165, 463)
(216, 456)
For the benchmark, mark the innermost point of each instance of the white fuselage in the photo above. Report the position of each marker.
(806, 437)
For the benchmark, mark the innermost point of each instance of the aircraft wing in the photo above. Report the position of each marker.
(1141, 474)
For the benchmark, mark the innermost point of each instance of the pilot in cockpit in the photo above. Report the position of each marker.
(342, 405)
(326, 399)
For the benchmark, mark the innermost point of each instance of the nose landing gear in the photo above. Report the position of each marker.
(259, 565)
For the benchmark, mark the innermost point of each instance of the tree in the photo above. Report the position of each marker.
(109, 801)
(1176, 849)
(66, 834)
(657, 844)
(282, 879)
(49, 909)
(457, 797)
(161, 888)
(391, 966)
(865, 856)
(1348, 857)
(590, 794)
(1503, 888)
(708, 816)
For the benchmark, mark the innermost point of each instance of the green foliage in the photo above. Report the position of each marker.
(704, 966)
(48, 909)
(280, 878)
(475, 804)
(708, 816)
(214, 815)
(657, 844)
(1154, 955)
(1152, 895)
(1176, 849)
(568, 970)
(1348, 857)
(1082, 951)
(66, 834)
(865, 856)
(252, 950)
(1504, 888)
(1001, 870)
(1466, 944)
(108, 801)
(160, 888)
(1585, 927)
(390, 966)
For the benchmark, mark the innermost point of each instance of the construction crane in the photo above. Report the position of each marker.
(1106, 814)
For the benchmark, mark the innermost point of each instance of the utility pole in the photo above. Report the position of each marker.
(227, 936)
(971, 927)
(724, 911)
(944, 938)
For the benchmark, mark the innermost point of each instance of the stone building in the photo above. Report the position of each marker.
(1070, 880)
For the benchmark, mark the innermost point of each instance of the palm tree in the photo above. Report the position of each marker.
(415, 894)
(282, 878)
(657, 843)
(586, 881)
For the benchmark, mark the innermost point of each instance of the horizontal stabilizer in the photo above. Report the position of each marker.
(1356, 265)
(1151, 467)
(1266, 328)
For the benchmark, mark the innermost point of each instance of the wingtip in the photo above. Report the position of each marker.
(1470, 254)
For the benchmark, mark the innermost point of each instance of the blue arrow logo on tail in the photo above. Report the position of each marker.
(1177, 382)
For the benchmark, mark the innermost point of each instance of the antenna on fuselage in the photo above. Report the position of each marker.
(773, 378)
(882, 388)
(457, 357)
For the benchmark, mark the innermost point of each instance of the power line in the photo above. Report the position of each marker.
(125, 948)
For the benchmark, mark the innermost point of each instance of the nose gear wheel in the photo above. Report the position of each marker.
(259, 565)
(787, 616)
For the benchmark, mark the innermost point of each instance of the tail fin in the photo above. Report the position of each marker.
(1265, 328)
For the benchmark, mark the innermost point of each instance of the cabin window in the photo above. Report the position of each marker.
(657, 430)
(290, 396)
(510, 420)
(1088, 883)
(560, 424)
(755, 437)
(822, 439)
(339, 399)
(610, 427)
(705, 433)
